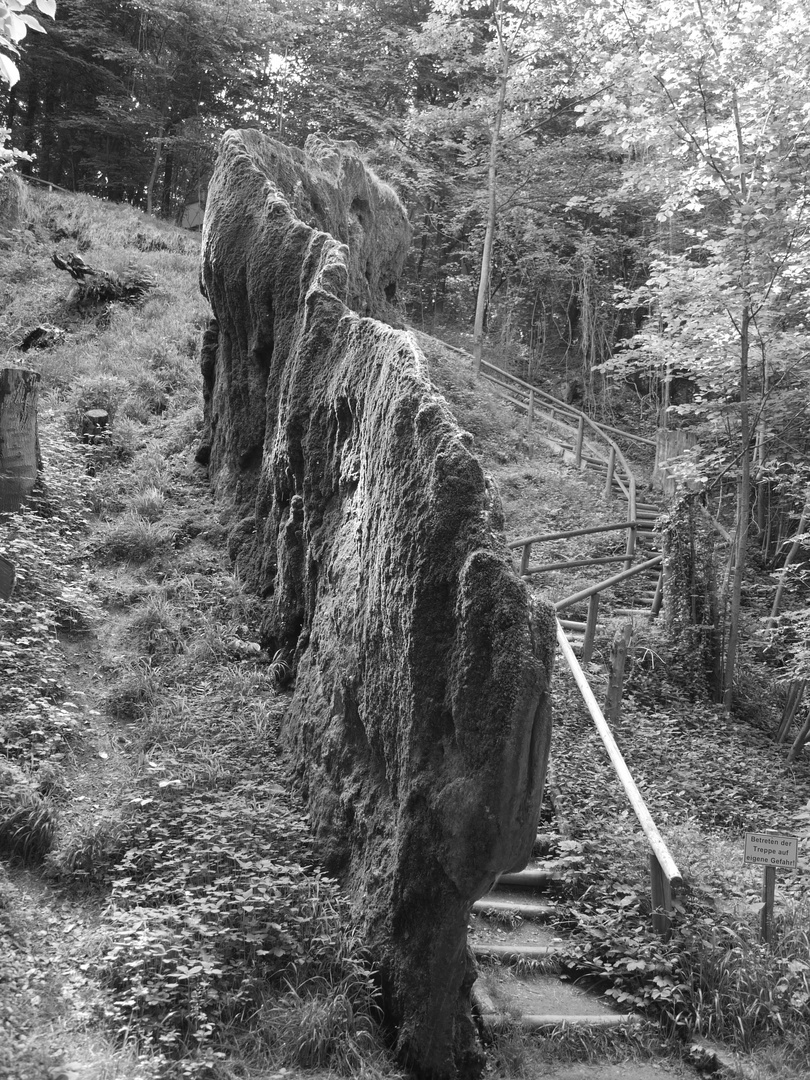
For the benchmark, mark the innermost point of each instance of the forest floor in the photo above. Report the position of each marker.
(165, 915)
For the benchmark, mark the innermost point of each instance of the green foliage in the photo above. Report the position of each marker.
(15, 22)
(209, 927)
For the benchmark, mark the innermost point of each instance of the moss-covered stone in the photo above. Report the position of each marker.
(420, 722)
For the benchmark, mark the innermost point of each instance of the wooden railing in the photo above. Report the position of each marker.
(591, 593)
(665, 878)
(571, 425)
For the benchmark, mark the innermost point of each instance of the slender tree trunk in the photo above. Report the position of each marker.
(791, 555)
(743, 512)
(150, 187)
(492, 203)
(168, 179)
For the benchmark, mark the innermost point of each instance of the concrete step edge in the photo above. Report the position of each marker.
(494, 1021)
(538, 912)
(531, 879)
(513, 953)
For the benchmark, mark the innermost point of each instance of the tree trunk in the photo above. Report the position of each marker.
(492, 202)
(743, 511)
(150, 187)
(168, 178)
(18, 436)
(791, 555)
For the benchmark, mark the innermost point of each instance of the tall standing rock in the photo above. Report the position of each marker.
(419, 725)
(19, 388)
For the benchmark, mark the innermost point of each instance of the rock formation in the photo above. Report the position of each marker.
(419, 724)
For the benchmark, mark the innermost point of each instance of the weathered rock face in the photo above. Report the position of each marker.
(419, 726)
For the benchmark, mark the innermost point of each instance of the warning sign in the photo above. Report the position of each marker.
(771, 849)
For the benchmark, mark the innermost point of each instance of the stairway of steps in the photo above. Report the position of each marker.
(513, 939)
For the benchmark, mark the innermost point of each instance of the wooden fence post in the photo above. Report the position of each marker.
(531, 410)
(524, 559)
(18, 436)
(661, 896)
(618, 660)
(590, 628)
(611, 469)
(580, 439)
(631, 517)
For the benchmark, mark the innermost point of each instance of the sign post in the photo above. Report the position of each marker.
(769, 850)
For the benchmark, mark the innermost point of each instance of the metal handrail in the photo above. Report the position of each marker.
(665, 877)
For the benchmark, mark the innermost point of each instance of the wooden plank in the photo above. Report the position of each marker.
(654, 838)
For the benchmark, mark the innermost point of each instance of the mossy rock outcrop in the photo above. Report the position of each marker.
(419, 724)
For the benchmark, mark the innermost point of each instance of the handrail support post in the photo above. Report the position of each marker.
(580, 440)
(590, 628)
(631, 516)
(524, 559)
(661, 894)
(611, 469)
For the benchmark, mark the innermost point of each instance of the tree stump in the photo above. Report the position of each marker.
(95, 425)
(18, 436)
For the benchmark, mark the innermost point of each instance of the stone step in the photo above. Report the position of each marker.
(534, 1000)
